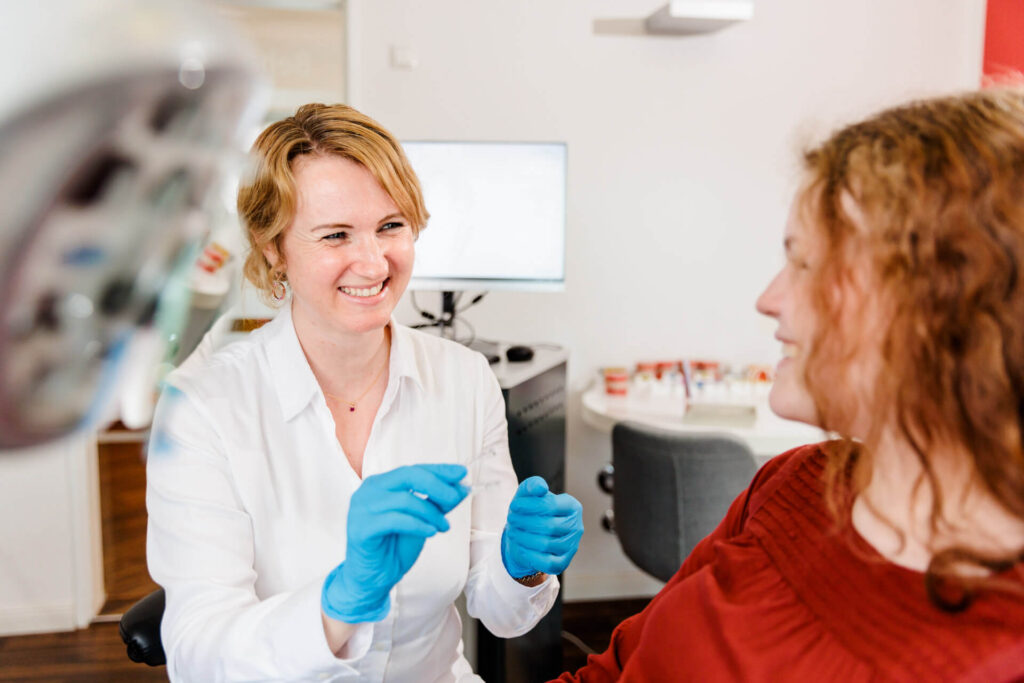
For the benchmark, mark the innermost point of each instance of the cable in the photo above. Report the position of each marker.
(584, 648)
(425, 314)
(472, 332)
(477, 299)
(442, 321)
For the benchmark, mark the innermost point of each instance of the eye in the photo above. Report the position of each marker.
(798, 261)
(391, 226)
(340, 235)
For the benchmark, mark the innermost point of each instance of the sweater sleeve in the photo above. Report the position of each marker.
(608, 665)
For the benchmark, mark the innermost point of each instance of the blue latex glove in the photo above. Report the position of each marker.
(542, 531)
(389, 520)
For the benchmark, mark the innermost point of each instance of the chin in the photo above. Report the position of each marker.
(791, 404)
(368, 324)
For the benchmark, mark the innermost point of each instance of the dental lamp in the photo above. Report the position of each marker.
(119, 120)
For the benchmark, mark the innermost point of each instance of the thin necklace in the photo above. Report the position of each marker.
(352, 404)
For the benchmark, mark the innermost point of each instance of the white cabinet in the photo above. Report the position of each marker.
(51, 554)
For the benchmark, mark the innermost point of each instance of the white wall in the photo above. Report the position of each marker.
(682, 157)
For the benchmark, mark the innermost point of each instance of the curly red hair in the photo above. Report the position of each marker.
(937, 216)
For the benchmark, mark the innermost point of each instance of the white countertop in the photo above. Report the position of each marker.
(513, 374)
(768, 436)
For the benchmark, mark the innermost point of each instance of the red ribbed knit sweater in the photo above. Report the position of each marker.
(776, 594)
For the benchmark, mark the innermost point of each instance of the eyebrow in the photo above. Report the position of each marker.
(346, 226)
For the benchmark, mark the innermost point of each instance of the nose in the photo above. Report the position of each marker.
(769, 303)
(371, 259)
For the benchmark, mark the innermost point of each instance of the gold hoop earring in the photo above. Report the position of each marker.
(278, 290)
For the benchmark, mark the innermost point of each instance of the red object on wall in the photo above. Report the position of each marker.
(1004, 40)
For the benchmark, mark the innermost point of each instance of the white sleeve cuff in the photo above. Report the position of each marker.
(310, 644)
(506, 607)
(540, 597)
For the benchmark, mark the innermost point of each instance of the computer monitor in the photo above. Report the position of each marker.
(497, 215)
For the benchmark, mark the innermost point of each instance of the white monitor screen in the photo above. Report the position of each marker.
(497, 215)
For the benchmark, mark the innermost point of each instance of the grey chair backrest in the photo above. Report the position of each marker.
(672, 489)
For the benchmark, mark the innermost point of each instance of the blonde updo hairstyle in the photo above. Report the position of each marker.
(267, 197)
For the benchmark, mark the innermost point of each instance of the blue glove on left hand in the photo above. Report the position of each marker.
(390, 517)
(542, 531)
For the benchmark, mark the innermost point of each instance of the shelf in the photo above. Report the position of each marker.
(685, 17)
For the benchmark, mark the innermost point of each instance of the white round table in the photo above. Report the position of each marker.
(767, 435)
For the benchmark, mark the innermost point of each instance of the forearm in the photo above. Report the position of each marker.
(216, 634)
(338, 633)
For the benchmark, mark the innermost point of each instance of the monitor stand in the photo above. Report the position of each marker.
(446, 323)
(447, 320)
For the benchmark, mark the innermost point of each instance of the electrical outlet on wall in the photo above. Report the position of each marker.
(403, 58)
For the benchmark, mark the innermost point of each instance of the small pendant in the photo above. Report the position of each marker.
(351, 409)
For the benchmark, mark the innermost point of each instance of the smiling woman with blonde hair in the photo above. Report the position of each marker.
(895, 552)
(309, 487)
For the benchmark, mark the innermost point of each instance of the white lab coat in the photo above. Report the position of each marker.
(248, 493)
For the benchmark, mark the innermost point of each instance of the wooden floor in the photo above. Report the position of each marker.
(123, 499)
(97, 655)
(592, 623)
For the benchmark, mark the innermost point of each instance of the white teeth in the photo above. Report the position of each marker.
(362, 291)
(788, 350)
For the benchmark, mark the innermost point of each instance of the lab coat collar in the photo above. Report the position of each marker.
(293, 378)
(405, 362)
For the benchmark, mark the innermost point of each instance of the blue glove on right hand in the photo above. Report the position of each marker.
(542, 530)
(390, 517)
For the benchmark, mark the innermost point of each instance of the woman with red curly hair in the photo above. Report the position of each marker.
(893, 552)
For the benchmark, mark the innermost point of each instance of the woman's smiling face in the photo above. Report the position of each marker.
(787, 299)
(348, 251)
(849, 352)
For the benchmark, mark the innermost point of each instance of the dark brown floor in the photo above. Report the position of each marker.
(592, 623)
(97, 655)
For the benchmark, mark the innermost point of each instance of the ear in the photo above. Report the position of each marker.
(270, 253)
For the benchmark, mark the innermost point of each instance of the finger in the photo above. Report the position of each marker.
(439, 483)
(548, 505)
(545, 526)
(532, 486)
(405, 502)
(550, 545)
(396, 522)
(542, 562)
(449, 472)
(411, 474)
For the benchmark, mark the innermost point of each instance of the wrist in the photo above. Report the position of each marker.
(515, 569)
(531, 580)
(348, 604)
